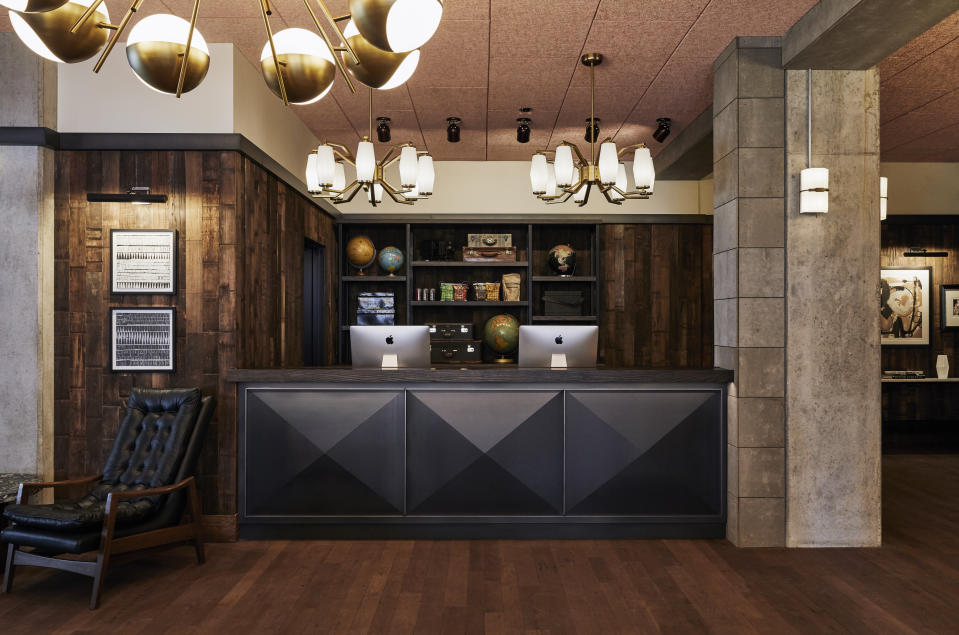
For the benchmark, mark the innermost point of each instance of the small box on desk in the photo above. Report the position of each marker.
(456, 352)
(440, 332)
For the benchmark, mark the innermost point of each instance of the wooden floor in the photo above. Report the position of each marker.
(911, 584)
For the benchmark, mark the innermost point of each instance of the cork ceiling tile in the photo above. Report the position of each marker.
(650, 10)
(526, 29)
(458, 55)
(539, 83)
(924, 45)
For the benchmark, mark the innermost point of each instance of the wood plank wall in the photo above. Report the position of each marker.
(240, 278)
(656, 295)
(896, 239)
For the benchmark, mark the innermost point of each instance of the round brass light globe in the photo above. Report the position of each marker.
(377, 68)
(155, 49)
(33, 6)
(398, 26)
(48, 34)
(305, 62)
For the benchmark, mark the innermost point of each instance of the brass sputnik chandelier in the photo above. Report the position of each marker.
(326, 173)
(567, 177)
(378, 46)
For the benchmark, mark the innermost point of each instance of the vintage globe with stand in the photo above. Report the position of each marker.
(391, 260)
(562, 260)
(360, 253)
(501, 335)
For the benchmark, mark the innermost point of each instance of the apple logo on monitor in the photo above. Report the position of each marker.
(389, 339)
(559, 339)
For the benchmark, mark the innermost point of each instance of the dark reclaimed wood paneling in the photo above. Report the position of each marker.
(656, 298)
(897, 239)
(236, 305)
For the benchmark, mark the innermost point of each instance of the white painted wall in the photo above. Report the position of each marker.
(922, 188)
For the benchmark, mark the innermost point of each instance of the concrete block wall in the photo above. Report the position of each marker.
(749, 281)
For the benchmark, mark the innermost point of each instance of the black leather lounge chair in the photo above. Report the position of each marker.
(138, 501)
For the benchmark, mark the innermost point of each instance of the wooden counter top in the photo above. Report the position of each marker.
(483, 373)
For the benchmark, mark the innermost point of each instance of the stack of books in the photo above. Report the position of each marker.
(903, 374)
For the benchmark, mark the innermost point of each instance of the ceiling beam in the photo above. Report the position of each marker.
(690, 155)
(858, 34)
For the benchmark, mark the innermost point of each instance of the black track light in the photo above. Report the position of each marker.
(662, 131)
(522, 130)
(453, 129)
(383, 129)
(592, 129)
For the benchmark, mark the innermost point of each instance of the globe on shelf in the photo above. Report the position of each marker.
(501, 335)
(360, 253)
(562, 260)
(391, 260)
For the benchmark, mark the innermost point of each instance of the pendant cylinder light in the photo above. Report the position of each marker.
(622, 183)
(425, 175)
(550, 180)
(643, 170)
(408, 165)
(814, 191)
(608, 163)
(365, 162)
(339, 177)
(580, 194)
(312, 182)
(537, 173)
(883, 197)
(376, 192)
(325, 166)
(563, 166)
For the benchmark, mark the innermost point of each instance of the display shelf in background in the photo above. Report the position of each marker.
(519, 264)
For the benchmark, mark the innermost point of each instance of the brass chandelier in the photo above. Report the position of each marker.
(568, 177)
(378, 47)
(326, 172)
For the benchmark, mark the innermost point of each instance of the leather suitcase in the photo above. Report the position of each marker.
(456, 352)
(489, 254)
(451, 331)
(489, 240)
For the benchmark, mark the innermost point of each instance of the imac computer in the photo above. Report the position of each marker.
(558, 346)
(390, 346)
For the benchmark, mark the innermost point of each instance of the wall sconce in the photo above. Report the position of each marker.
(813, 182)
(134, 195)
(883, 197)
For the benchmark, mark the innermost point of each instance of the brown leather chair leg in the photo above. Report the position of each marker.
(197, 525)
(8, 569)
(106, 545)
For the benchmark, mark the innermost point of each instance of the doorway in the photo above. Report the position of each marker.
(314, 303)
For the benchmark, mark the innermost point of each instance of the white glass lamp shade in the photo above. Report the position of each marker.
(339, 178)
(48, 33)
(652, 183)
(377, 68)
(621, 183)
(32, 6)
(397, 25)
(425, 175)
(413, 194)
(814, 191)
(365, 162)
(580, 194)
(155, 48)
(643, 171)
(312, 183)
(306, 63)
(550, 180)
(538, 174)
(563, 164)
(325, 166)
(608, 163)
(408, 167)
(376, 193)
(883, 197)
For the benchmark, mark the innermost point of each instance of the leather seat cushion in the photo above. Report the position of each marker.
(55, 542)
(87, 513)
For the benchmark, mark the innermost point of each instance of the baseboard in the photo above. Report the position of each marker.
(222, 528)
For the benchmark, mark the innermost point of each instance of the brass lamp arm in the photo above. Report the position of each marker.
(333, 49)
(186, 54)
(116, 34)
(625, 149)
(86, 16)
(395, 194)
(579, 155)
(610, 198)
(266, 11)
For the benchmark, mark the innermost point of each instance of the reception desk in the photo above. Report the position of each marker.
(484, 451)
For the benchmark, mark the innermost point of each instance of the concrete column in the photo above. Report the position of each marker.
(749, 256)
(833, 398)
(28, 99)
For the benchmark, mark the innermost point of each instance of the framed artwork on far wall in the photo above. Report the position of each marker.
(949, 307)
(143, 340)
(905, 306)
(143, 261)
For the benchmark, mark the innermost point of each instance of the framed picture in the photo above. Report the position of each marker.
(905, 306)
(143, 261)
(142, 340)
(949, 306)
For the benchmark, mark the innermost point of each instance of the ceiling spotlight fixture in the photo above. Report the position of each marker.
(813, 182)
(136, 195)
(326, 175)
(522, 130)
(883, 197)
(662, 130)
(169, 54)
(592, 130)
(573, 177)
(383, 130)
(453, 129)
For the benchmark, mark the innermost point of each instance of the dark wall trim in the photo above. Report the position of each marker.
(47, 138)
(922, 219)
(506, 219)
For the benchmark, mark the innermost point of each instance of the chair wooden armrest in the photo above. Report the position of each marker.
(156, 491)
(28, 487)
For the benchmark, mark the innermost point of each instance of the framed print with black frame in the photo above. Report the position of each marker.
(949, 307)
(905, 306)
(143, 261)
(143, 339)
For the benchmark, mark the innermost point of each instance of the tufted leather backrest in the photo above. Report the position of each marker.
(152, 439)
